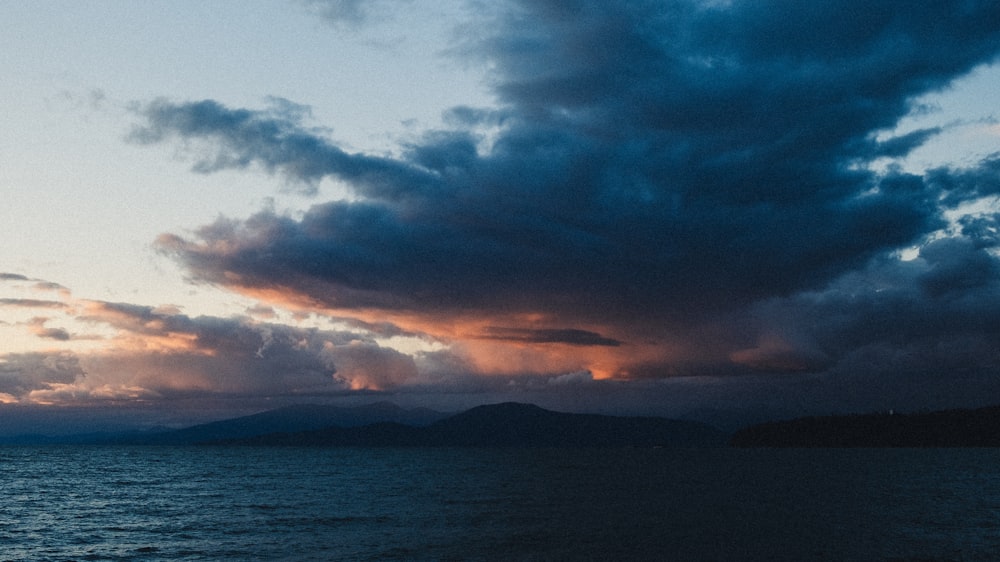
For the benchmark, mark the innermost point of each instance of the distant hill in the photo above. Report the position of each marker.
(506, 425)
(300, 417)
(948, 428)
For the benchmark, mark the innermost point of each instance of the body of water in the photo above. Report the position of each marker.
(240, 503)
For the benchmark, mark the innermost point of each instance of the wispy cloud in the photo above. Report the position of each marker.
(39, 328)
(352, 13)
(31, 303)
(275, 139)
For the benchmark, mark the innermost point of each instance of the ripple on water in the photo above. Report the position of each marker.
(136, 503)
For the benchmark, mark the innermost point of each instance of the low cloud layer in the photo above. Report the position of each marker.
(155, 354)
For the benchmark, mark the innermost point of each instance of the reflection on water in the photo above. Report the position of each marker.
(203, 503)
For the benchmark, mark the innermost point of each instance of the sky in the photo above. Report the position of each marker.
(674, 207)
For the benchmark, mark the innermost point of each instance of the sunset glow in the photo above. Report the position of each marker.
(664, 207)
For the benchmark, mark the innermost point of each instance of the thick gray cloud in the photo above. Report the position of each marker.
(653, 167)
(952, 291)
(240, 356)
(160, 354)
(21, 373)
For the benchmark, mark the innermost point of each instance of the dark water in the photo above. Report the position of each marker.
(152, 503)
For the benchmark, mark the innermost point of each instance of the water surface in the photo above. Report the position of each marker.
(241, 503)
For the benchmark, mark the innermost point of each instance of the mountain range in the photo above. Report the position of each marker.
(513, 424)
(509, 425)
(945, 428)
(296, 418)
(386, 424)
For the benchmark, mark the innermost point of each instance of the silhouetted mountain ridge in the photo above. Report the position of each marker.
(294, 418)
(946, 428)
(507, 425)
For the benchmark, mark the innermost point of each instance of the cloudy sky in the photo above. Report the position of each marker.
(664, 207)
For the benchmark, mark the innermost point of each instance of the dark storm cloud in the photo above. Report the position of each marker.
(964, 185)
(652, 164)
(902, 145)
(935, 315)
(568, 336)
(952, 289)
(275, 139)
